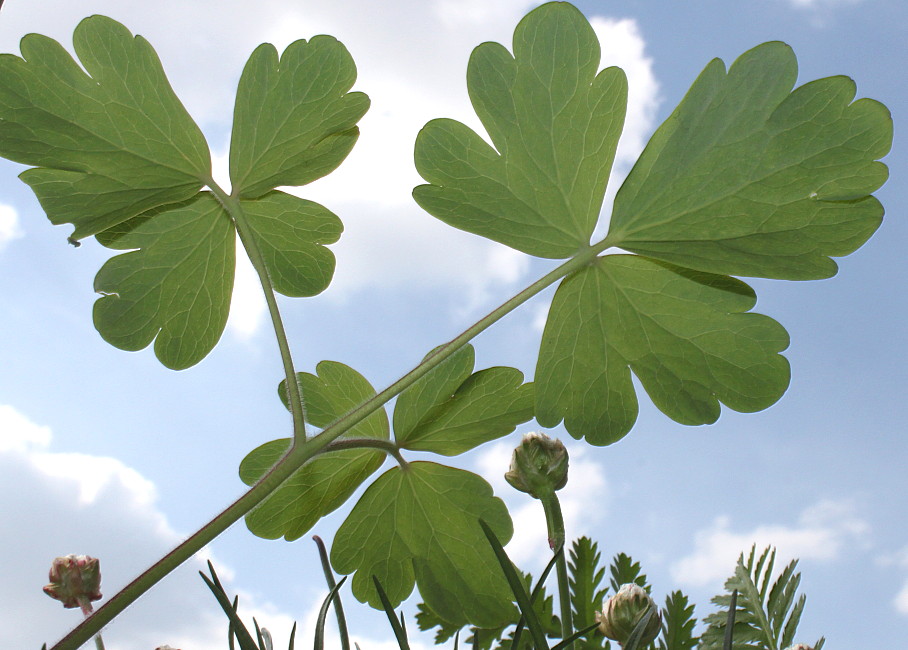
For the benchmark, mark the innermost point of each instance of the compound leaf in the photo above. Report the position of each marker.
(749, 178)
(175, 287)
(107, 145)
(420, 525)
(327, 481)
(450, 411)
(684, 334)
(294, 119)
(554, 123)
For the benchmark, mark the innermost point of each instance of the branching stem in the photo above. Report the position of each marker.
(300, 453)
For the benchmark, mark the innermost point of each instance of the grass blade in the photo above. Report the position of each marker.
(519, 591)
(323, 614)
(730, 621)
(399, 631)
(338, 607)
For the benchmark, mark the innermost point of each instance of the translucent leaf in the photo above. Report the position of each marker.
(684, 334)
(749, 178)
(450, 411)
(554, 123)
(327, 481)
(175, 288)
(291, 233)
(108, 145)
(294, 120)
(419, 525)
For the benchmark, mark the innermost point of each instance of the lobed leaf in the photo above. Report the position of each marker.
(554, 123)
(450, 411)
(175, 288)
(295, 119)
(109, 142)
(748, 177)
(678, 623)
(419, 525)
(327, 481)
(684, 334)
(584, 580)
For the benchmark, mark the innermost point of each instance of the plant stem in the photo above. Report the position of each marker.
(298, 454)
(294, 397)
(555, 524)
(386, 446)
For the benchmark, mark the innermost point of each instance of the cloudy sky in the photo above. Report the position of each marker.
(107, 453)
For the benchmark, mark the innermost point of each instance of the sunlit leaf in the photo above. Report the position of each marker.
(327, 481)
(748, 177)
(686, 335)
(107, 145)
(175, 289)
(554, 123)
(451, 409)
(419, 525)
(294, 120)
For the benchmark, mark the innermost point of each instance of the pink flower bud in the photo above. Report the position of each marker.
(75, 580)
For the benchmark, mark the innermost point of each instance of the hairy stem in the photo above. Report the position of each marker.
(294, 397)
(386, 446)
(555, 524)
(300, 453)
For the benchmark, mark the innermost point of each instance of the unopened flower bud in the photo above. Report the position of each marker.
(622, 612)
(75, 580)
(539, 465)
(800, 646)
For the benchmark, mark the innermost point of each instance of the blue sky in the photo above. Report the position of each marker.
(108, 453)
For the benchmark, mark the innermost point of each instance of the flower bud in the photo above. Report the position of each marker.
(800, 646)
(539, 465)
(621, 613)
(75, 580)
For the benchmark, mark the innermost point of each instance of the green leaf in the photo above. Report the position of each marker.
(584, 580)
(419, 524)
(108, 145)
(175, 288)
(449, 410)
(291, 233)
(327, 481)
(554, 123)
(749, 178)
(624, 571)
(294, 119)
(684, 334)
(767, 613)
(678, 624)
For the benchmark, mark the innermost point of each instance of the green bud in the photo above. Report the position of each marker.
(539, 466)
(75, 580)
(621, 613)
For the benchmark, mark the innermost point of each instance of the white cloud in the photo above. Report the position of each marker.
(96, 506)
(822, 532)
(9, 225)
(900, 560)
(584, 501)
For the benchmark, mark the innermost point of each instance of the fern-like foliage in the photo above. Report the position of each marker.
(678, 624)
(767, 612)
(585, 575)
(625, 571)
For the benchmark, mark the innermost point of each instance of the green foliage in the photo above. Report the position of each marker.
(451, 409)
(585, 577)
(419, 524)
(107, 145)
(555, 124)
(326, 482)
(746, 177)
(678, 624)
(118, 156)
(767, 613)
(294, 120)
(687, 336)
(624, 571)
